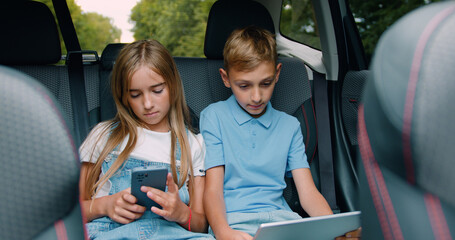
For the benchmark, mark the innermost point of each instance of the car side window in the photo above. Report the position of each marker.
(298, 22)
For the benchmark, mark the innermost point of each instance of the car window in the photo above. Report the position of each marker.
(298, 22)
(374, 17)
(179, 25)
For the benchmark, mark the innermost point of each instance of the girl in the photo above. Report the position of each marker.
(151, 128)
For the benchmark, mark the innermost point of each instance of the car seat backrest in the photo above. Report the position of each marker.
(39, 163)
(107, 61)
(406, 130)
(30, 43)
(227, 15)
(29, 34)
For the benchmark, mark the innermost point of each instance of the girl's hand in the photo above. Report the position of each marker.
(122, 208)
(235, 235)
(173, 209)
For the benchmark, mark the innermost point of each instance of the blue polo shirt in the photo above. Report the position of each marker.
(256, 154)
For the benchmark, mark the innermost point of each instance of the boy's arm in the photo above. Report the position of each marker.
(214, 200)
(215, 207)
(311, 199)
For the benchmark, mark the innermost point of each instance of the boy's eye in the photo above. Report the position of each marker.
(243, 86)
(266, 84)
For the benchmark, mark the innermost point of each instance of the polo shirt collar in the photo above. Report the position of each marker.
(241, 116)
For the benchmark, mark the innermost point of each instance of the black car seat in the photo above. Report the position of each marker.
(30, 43)
(407, 132)
(39, 164)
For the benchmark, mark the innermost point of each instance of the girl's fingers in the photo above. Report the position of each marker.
(129, 198)
(159, 212)
(125, 215)
(171, 186)
(158, 197)
(130, 204)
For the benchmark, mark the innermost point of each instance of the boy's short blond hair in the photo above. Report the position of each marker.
(248, 47)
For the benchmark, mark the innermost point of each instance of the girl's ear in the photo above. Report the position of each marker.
(225, 78)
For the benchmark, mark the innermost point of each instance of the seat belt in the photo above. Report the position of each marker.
(327, 177)
(75, 71)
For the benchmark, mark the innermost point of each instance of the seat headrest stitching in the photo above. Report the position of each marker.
(381, 198)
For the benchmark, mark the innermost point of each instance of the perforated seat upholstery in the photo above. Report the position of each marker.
(39, 164)
(407, 131)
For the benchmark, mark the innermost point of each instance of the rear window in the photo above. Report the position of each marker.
(298, 22)
(179, 25)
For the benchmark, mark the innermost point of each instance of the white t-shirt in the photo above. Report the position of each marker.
(160, 152)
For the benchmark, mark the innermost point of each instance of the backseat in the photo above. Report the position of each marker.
(203, 85)
(32, 46)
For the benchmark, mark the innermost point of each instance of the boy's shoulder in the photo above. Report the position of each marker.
(217, 108)
(285, 118)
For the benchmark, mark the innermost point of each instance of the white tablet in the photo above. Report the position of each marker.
(319, 228)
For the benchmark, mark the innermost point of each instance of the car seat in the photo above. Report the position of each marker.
(39, 164)
(407, 131)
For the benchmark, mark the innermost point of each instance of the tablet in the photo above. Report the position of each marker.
(147, 176)
(320, 228)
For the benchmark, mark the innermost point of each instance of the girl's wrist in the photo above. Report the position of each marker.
(186, 221)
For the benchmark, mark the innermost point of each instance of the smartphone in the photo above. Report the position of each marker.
(147, 176)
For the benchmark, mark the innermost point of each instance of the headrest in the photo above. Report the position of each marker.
(110, 54)
(29, 34)
(409, 97)
(38, 157)
(227, 15)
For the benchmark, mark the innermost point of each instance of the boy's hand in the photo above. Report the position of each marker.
(173, 209)
(353, 235)
(122, 208)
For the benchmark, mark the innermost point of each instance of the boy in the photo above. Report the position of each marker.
(250, 145)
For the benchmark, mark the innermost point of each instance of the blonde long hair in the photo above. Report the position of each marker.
(152, 54)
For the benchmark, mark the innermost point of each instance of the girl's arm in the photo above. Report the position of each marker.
(216, 208)
(120, 207)
(311, 199)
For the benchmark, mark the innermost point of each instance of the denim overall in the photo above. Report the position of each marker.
(150, 225)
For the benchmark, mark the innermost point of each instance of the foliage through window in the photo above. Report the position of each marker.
(298, 22)
(178, 25)
(374, 17)
(94, 30)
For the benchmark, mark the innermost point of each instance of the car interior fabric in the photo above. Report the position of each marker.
(40, 164)
(351, 92)
(406, 129)
(228, 15)
(30, 51)
(29, 34)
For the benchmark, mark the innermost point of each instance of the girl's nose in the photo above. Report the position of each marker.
(148, 103)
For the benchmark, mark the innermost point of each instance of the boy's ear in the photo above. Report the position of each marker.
(225, 78)
(278, 70)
